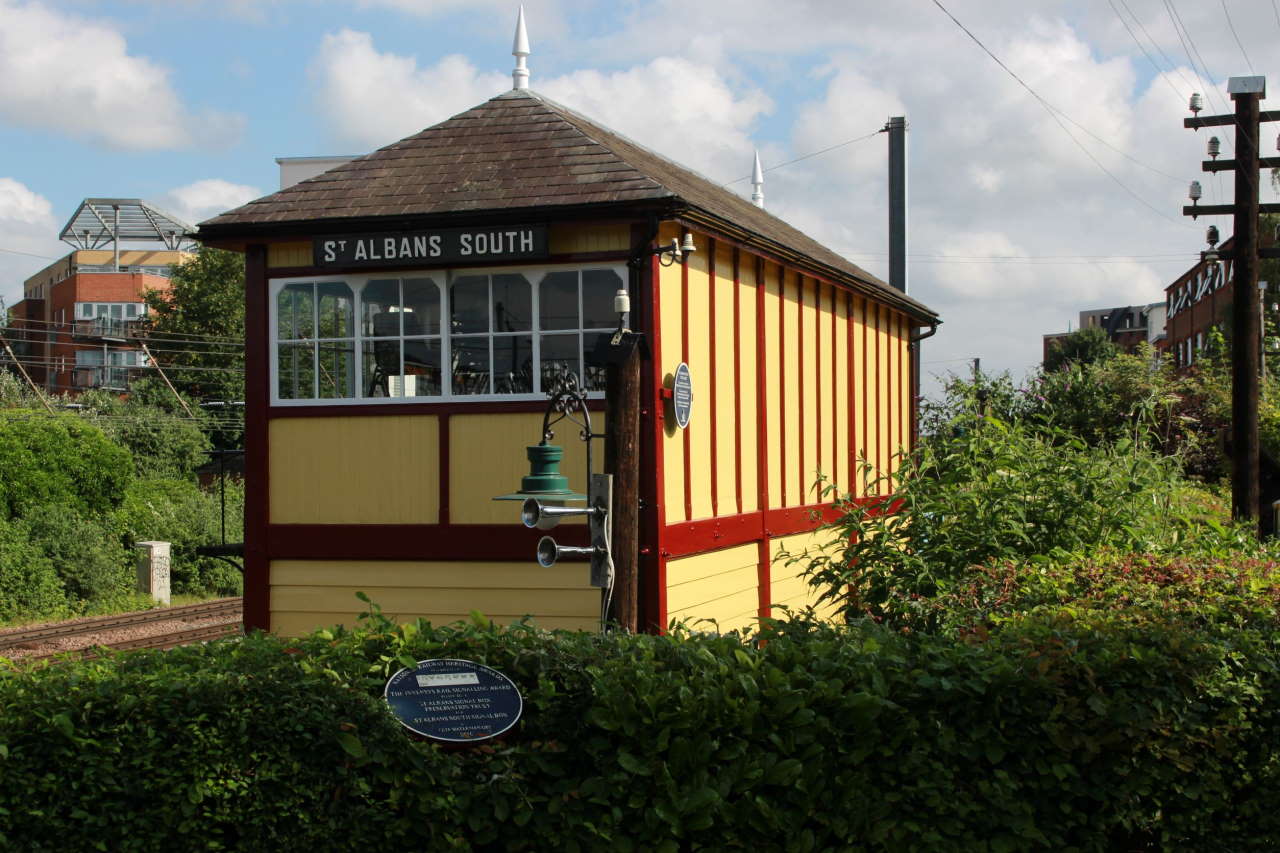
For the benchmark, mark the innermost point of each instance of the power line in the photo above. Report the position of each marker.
(1053, 113)
(811, 154)
(28, 254)
(1227, 14)
(1159, 71)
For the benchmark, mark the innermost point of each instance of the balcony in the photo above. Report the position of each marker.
(109, 378)
(110, 328)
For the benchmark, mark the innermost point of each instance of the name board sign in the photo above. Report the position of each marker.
(435, 246)
(682, 395)
(452, 700)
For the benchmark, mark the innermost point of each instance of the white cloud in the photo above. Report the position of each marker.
(372, 99)
(75, 76)
(28, 237)
(201, 200)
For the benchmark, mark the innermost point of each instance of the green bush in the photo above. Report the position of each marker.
(179, 512)
(152, 426)
(1050, 733)
(29, 586)
(58, 460)
(996, 491)
(85, 552)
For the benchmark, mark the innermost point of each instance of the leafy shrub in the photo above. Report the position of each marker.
(1051, 734)
(29, 586)
(179, 512)
(164, 441)
(995, 491)
(58, 460)
(85, 552)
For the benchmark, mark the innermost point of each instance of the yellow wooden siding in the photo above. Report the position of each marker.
(807, 370)
(748, 404)
(843, 382)
(671, 317)
(289, 255)
(857, 387)
(572, 239)
(487, 457)
(772, 385)
(787, 583)
(308, 594)
(720, 586)
(726, 404)
(883, 386)
(792, 488)
(354, 470)
(905, 401)
(699, 429)
(825, 385)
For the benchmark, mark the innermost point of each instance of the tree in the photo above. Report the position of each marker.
(196, 331)
(1083, 346)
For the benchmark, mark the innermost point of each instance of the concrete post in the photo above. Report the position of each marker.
(153, 570)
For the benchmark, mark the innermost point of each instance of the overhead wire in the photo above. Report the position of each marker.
(1227, 14)
(810, 154)
(1053, 113)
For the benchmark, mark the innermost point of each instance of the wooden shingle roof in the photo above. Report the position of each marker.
(520, 151)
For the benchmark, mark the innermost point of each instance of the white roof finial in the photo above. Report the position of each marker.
(757, 183)
(520, 50)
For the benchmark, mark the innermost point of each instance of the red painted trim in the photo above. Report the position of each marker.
(711, 534)
(712, 322)
(764, 596)
(866, 403)
(782, 381)
(881, 435)
(428, 542)
(835, 395)
(257, 582)
(486, 407)
(443, 466)
(817, 368)
(764, 578)
(684, 356)
(737, 381)
(852, 487)
(802, 437)
(658, 608)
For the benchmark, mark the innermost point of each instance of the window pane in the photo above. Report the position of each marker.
(559, 355)
(469, 304)
(337, 370)
(512, 303)
(558, 301)
(117, 312)
(598, 290)
(103, 309)
(131, 310)
(422, 307)
(513, 364)
(594, 378)
(337, 310)
(380, 301)
(470, 365)
(381, 366)
(294, 312)
(295, 368)
(421, 368)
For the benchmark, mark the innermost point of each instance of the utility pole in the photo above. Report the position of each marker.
(1247, 92)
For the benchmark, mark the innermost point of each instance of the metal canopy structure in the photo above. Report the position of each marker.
(101, 222)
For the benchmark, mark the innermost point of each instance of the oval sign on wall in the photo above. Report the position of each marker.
(453, 700)
(682, 394)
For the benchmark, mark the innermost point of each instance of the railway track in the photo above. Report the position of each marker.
(159, 641)
(227, 609)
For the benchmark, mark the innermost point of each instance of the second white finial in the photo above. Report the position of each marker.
(757, 183)
(520, 50)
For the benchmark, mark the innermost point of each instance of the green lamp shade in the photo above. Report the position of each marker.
(544, 479)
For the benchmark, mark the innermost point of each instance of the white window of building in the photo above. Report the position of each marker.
(456, 334)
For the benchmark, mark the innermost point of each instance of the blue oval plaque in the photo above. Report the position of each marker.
(682, 394)
(454, 700)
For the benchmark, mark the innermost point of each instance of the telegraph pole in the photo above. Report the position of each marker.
(1247, 92)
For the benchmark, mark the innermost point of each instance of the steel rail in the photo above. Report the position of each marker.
(158, 641)
(201, 610)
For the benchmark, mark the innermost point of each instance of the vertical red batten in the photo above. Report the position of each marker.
(802, 438)
(737, 380)
(866, 402)
(684, 356)
(711, 322)
(852, 486)
(257, 582)
(782, 383)
(659, 509)
(835, 394)
(763, 574)
(881, 438)
(817, 371)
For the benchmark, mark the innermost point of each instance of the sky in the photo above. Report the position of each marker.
(1047, 162)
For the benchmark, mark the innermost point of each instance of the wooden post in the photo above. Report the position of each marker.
(1245, 457)
(622, 460)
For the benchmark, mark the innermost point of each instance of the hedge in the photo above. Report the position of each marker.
(1052, 733)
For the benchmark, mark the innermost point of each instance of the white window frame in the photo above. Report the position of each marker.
(444, 279)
